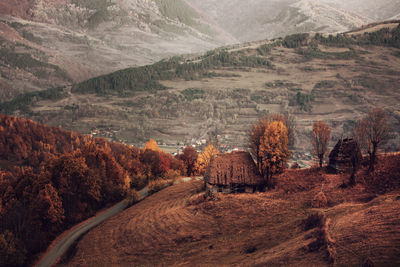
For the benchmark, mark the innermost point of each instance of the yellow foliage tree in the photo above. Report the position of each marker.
(204, 159)
(274, 151)
(151, 145)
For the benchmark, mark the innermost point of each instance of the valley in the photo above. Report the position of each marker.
(108, 101)
(221, 93)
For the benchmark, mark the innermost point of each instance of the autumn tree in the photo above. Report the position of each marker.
(320, 139)
(371, 132)
(269, 145)
(204, 158)
(189, 157)
(151, 145)
(274, 150)
(289, 121)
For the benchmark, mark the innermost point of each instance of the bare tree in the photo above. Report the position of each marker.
(371, 132)
(321, 135)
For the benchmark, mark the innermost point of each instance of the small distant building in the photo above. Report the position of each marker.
(233, 172)
(345, 155)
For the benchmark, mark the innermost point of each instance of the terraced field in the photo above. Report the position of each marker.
(177, 227)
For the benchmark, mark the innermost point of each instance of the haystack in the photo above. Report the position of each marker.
(233, 172)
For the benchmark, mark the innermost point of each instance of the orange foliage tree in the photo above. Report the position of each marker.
(289, 122)
(269, 145)
(151, 145)
(371, 132)
(321, 135)
(204, 158)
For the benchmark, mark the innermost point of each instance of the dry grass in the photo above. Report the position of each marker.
(179, 227)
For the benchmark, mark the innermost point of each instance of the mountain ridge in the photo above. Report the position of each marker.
(183, 100)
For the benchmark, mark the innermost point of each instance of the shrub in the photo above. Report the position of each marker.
(320, 201)
(302, 100)
(314, 220)
(295, 40)
(157, 185)
(133, 197)
(172, 175)
(138, 181)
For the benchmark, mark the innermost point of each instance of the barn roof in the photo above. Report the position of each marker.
(344, 150)
(233, 168)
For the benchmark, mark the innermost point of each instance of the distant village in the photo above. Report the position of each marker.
(303, 158)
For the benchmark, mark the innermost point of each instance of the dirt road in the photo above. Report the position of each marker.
(62, 246)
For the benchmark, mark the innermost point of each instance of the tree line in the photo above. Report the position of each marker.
(51, 179)
(271, 137)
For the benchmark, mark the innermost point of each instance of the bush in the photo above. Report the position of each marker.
(302, 100)
(138, 181)
(295, 40)
(157, 185)
(172, 175)
(133, 197)
(314, 220)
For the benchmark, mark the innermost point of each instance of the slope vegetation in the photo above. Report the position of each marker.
(51, 179)
(177, 227)
(69, 41)
(333, 78)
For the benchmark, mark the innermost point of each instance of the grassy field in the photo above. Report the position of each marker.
(177, 227)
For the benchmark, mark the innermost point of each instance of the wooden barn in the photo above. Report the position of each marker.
(345, 155)
(233, 172)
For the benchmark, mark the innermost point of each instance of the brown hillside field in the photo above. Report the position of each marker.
(177, 227)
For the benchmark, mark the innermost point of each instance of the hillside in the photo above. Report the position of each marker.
(261, 19)
(47, 43)
(177, 227)
(221, 93)
(52, 179)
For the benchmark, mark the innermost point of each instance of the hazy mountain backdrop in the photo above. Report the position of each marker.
(50, 43)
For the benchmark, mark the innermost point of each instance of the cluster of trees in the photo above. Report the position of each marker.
(269, 144)
(385, 37)
(295, 40)
(24, 101)
(51, 179)
(195, 163)
(271, 137)
(370, 133)
(146, 78)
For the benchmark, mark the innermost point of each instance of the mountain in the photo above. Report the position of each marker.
(260, 19)
(219, 94)
(51, 43)
(46, 43)
(374, 10)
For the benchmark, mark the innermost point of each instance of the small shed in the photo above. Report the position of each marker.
(345, 155)
(233, 172)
